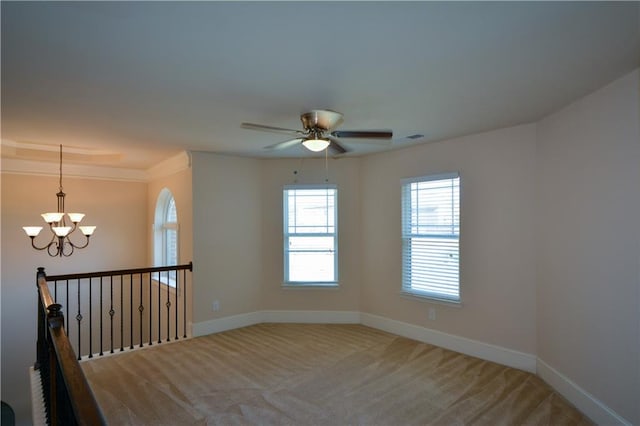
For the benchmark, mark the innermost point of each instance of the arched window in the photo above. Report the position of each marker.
(166, 230)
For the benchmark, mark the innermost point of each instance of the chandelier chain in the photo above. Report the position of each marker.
(60, 187)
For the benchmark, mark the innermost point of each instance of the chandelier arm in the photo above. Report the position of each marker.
(56, 245)
(33, 244)
(66, 243)
(45, 247)
(77, 246)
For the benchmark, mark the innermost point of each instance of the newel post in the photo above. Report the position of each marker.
(54, 316)
(41, 342)
(57, 388)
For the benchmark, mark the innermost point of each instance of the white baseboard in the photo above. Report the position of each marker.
(583, 400)
(243, 320)
(463, 345)
(498, 354)
(226, 323)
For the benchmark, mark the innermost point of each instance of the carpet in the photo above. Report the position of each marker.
(309, 374)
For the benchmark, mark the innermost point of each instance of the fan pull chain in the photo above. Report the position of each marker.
(326, 165)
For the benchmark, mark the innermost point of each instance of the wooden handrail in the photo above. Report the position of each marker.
(67, 394)
(45, 294)
(83, 403)
(188, 266)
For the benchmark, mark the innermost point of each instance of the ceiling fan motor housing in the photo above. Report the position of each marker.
(321, 119)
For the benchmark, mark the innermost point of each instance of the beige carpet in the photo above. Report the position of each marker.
(301, 374)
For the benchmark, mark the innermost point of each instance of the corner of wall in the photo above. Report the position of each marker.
(583, 400)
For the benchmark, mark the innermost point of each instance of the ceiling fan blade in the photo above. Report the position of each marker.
(366, 134)
(336, 147)
(263, 128)
(377, 142)
(285, 144)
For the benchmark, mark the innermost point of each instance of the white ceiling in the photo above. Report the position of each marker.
(140, 81)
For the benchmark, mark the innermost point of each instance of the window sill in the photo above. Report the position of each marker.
(310, 286)
(431, 299)
(171, 283)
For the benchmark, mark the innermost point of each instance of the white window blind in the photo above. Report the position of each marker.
(310, 235)
(431, 236)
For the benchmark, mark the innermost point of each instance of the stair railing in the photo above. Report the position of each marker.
(123, 309)
(68, 398)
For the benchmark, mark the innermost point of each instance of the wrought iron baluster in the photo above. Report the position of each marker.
(159, 310)
(67, 303)
(90, 320)
(111, 311)
(101, 319)
(141, 309)
(131, 310)
(121, 314)
(176, 302)
(184, 301)
(79, 320)
(150, 310)
(168, 304)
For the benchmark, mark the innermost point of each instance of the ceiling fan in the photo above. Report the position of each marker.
(319, 132)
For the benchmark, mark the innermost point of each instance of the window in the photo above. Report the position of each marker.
(310, 235)
(166, 233)
(431, 237)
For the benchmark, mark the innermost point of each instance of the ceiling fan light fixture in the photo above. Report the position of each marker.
(316, 145)
(316, 124)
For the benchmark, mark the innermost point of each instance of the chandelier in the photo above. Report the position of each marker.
(60, 243)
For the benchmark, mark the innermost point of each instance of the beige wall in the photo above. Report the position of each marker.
(227, 219)
(496, 250)
(588, 208)
(345, 174)
(119, 211)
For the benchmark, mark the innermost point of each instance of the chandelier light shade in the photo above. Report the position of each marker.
(61, 225)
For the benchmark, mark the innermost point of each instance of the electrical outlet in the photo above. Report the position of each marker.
(432, 314)
(215, 306)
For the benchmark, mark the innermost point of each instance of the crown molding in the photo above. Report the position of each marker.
(42, 168)
(168, 167)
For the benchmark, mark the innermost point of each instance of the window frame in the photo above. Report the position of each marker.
(161, 227)
(408, 287)
(287, 282)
